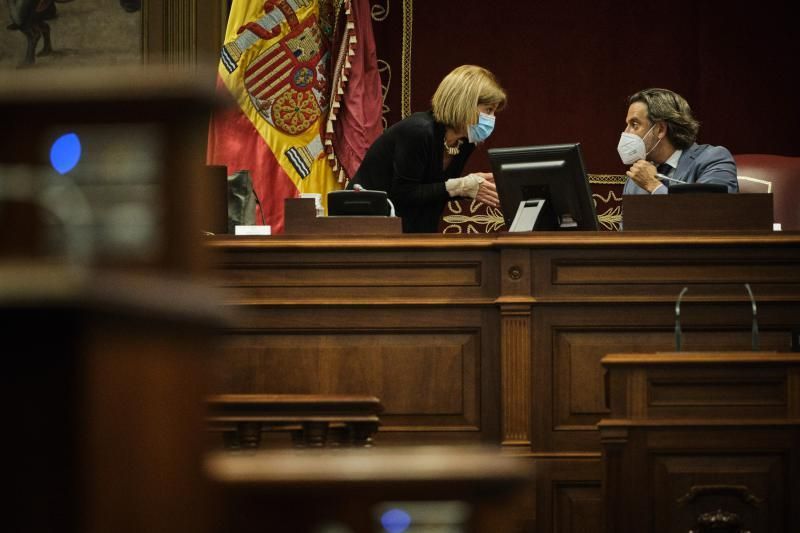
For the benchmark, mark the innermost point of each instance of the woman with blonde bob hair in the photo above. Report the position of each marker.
(418, 161)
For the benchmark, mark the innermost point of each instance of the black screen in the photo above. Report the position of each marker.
(358, 203)
(553, 173)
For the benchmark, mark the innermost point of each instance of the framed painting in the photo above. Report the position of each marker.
(59, 33)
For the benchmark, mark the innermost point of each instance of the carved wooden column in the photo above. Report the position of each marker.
(614, 443)
(516, 371)
(515, 360)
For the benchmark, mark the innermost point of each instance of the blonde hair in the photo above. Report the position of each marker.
(459, 94)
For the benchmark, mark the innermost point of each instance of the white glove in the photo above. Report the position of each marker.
(466, 186)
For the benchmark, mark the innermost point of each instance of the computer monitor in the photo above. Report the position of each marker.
(543, 188)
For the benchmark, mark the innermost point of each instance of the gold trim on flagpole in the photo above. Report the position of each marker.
(405, 78)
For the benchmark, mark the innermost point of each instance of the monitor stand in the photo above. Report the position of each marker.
(566, 221)
(527, 213)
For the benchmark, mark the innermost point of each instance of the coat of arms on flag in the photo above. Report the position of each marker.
(277, 63)
(289, 65)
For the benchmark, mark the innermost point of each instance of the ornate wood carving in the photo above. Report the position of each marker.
(515, 333)
(719, 521)
(742, 491)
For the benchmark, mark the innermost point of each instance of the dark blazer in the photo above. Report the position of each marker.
(700, 163)
(406, 162)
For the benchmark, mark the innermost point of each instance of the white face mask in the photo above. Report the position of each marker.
(631, 147)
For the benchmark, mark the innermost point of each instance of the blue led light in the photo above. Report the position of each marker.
(395, 520)
(65, 153)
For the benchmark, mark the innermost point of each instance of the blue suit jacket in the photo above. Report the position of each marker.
(700, 163)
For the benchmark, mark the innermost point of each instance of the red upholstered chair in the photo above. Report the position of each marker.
(777, 174)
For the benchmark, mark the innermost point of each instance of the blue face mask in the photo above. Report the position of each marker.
(477, 133)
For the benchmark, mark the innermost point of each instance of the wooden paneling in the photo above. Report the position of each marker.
(427, 365)
(675, 479)
(352, 274)
(626, 267)
(497, 339)
(570, 385)
(700, 211)
(663, 390)
(664, 476)
(441, 367)
(719, 451)
(723, 392)
(637, 272)
(577, 506)
(568, 494)
(292, 277)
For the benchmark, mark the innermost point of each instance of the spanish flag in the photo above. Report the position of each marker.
(276, 64)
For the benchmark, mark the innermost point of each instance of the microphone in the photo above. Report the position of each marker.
(663, 177)
(678, 320)
(755, 343)
(260, 209)
(754, 323)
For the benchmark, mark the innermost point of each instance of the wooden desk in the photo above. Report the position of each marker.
(697, 440)
(105, 339)
(494, 339)
(103, 389)
(440, 488)
(704, 211)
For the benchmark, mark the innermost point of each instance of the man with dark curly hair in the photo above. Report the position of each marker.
(659, 144)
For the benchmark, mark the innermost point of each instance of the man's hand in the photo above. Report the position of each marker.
(643, 173)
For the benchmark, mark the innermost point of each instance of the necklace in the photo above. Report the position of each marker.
(453, 150)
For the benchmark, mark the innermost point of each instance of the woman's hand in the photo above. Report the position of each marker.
(478, 185)
(487, 191)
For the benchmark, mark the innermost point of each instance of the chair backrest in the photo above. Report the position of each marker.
(777, 174)
(748, 184)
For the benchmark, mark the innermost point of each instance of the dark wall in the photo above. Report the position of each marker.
(568, 67)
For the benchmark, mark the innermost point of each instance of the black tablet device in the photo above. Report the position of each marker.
(688, 188)
(358, 203)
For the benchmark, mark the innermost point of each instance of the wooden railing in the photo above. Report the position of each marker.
(313, 420)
